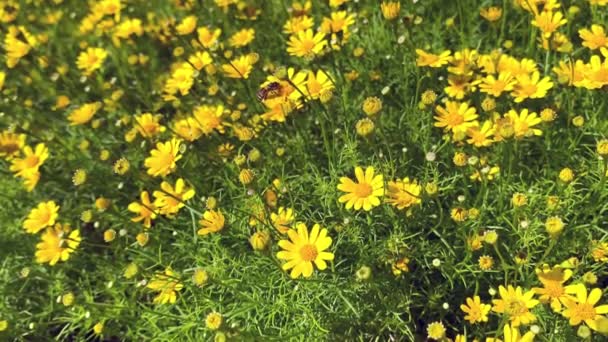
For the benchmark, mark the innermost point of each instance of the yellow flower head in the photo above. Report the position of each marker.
(91, 60)
(213, 321)
(306, 44)
(44, 215)
(515, 304)
(390, 10)
(523, 123)
(186, 26)
(365, 192)
(581, 307)
(10, 144)
(432, 60)
(476, 311)
(167, 285)
(162, 159)
(170, 199)
(145, 209)
(282, 219)
(239, 67)
(303, 249)
(212, 222)
(84, 113)
(57, 243)
(403, 194)
(553, 290)
(455, 116)
(242, 38)
(148, 125)
(28, 165)
(491, 14)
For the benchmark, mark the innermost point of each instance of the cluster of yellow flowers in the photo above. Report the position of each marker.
(181, 115)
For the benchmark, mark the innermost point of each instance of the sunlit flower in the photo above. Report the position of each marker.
(306, 44)
(365, 192)
(523, 123)
(476, 311)
(84, 113)
(515, 304)
(317, 85)
(303, 249)
(531, 86)
(548, 22)
(212, 222)
(436, 330)
(167, 285)
(581, 307)
(239, 67)
(282, 219)
(496, 86)
(491, 14)
(44, 215)
(553, 290)
(186, 26)
(511, 333)
(57, 243)
(170, 199)
(432, 60)
(209, 118)
(242, 38)
(91, 60)
(403, 194)
(390, 10)
(30, 162)
(10, 144)
(148, 125)
(145, 209)
(456, 117)
(162, 159)
(208, 37)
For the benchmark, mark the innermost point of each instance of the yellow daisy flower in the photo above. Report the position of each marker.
(242, 38)
(162, 159)
(582, 307)
(30, 162)
(515, 304)
(212, 222)
(306, 44)
(365, 192)
(171, 199)
(84, 113)
(403, 194)
(91, 60)
(57, 244)
(553, 290)
(239, 67)
(167, 285)
(146, 210)
(475, 310)
(303, 249)
(432, 60)
(44, 215)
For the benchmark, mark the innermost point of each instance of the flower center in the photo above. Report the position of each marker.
(585, 311)
(455, 119)
(308, 45)
(516, 308)
(309, 252)
(554, 290)
(31, 161)
(363, 190)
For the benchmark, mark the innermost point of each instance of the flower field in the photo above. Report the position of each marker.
(328, 170)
